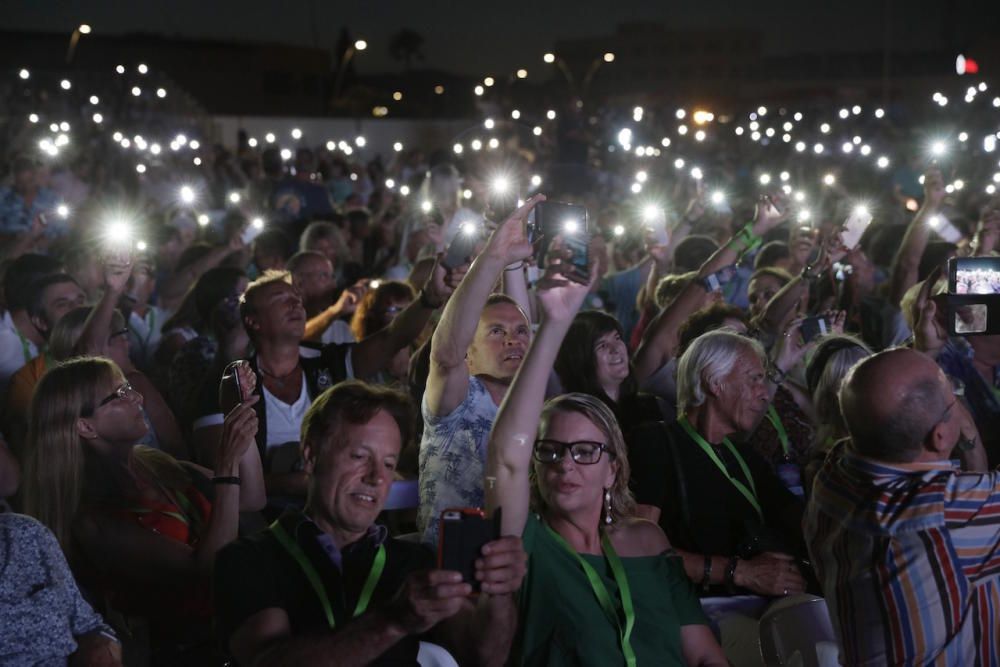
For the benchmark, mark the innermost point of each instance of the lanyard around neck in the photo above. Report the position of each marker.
(772, 416)
(749, 493)
(611, 610)
(295, 551)
(25, 346)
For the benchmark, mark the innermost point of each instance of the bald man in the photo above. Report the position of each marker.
(905, 544)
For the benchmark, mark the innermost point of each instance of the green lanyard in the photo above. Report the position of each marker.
(295, 551)
(751, 493)
(25, 347)
(772, 416)
(601, 592)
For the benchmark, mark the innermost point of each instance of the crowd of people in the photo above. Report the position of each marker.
(219, 367)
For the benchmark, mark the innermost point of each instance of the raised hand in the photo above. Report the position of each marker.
(502, 566)
(560, 298)
(768, 214)
(117, 270)
(934, 191)
(509, 241)
(929, 335)
(239, 430)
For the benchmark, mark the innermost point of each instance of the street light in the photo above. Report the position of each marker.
(82, 29)
(358, 45)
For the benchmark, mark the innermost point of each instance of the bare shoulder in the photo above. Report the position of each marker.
(639, 537)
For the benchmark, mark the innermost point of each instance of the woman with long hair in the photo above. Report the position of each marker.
(603, 586)
(140, 528)
(376, 310)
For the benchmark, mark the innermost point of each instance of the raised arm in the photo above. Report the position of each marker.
(660, 340)
(97, 328)
(448, 380)
(513, 436)
(374, 353)
(906, 264)
(346, 304)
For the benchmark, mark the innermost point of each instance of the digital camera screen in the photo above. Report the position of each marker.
(977, 281)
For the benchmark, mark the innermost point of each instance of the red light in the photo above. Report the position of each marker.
(965, 65)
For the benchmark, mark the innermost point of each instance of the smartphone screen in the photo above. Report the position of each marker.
(579, 259)
(812, 327)
(550, 219)
(463, 246)
(854, 228)
(974, 275)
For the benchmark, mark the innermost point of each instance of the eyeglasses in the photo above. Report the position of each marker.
(583, 452)
(123, 392)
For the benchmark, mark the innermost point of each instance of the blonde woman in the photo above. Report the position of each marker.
(603, 587)
(140, 528)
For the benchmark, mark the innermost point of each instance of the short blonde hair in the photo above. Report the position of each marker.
(600, 415)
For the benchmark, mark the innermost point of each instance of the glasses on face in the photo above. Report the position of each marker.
(124, 392)
(583, 452)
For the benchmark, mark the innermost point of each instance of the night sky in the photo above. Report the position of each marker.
(479, 38)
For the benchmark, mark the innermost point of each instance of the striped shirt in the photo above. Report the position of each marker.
(908, 557)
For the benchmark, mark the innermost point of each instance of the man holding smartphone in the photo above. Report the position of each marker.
(475, 353)
(330, 582)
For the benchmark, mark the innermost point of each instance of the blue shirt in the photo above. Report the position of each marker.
(16, 215)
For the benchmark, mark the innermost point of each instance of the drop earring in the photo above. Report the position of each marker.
(607, 506)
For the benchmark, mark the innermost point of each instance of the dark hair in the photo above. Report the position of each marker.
(774, 272)
(692, 252)
(576, 362)
(20, 275)
(247, 306)
(296, 261)
(935, 255)
(201, 299)
(707, 319)
(770, 254)
(273, 241)
(367, 318)
(34, 306)
(354, 402)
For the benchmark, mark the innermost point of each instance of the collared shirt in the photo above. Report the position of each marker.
(41, 610)
(907, 557)
(982, 397)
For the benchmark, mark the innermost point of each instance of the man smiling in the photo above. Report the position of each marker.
(327, 586)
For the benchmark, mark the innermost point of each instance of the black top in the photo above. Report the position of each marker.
(700, 509)
(257, 573)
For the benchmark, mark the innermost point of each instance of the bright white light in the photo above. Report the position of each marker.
(829, 179)
(142, 68)
(844, 113)
(800, 146)
(466, 194)
(65, 84)
(522, 74)
(641, 176)
(24, 74)
(847, 147)
(389, 183)
(161, 93)
(571, 226)
(619, 230)
(203, 220)
(762, 111)
(426, 206)
(882, 162)
(136, 91)
(636, 188)
(696, 173)
(489, 81)
(404, 190)
(866, 150)
(515, 114)
(286, 154)
(187, 194)
(879, 113)
(818, 149)
(234, 197)
(125, 142)
(739, 131)
(959, 184)
(699, 135)
(258, 223)
(494, 142)
(269, 137)
(991, 189)
(825, 128)
(769, 132)
(479, 90)
(797, 116)
(799, 196)
(120, 69)
(194, 144)
(98, 118)
(680, 113)
(989, 143)
(679, 163)
(938, 148)
(488, 123)
(62, 211)
(141, 168)
(476, 144)
(398, 146)
(718, 197)
(197, 161)
(856, 110)
(536, 180)
(296, 133)
(804, 215)
(765, 179)
(550, 114)
(784, 176)
(682, 129)
(549, 58)
(537, 131)
(360, 142)
(33, 118)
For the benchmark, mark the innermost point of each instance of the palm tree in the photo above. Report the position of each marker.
(406, 46)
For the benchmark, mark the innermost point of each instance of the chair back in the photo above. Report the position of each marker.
(794, 634)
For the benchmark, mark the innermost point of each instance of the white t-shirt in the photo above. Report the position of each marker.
(338, 332)
(284, 428)
(144, 334)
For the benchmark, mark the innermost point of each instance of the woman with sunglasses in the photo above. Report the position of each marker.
(139, 528)
(603, 587)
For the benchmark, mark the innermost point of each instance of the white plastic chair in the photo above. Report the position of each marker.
(432, 655)
(798, 633)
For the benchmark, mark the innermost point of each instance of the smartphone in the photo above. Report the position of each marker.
(814, 326)
(854, 227)
(974, 275)
(463, 533)
(579, 260)
(656, 222)
(463, 246)
(944, 228)
(550, 219)
(721, 277)
(230, 388)
(250, 232)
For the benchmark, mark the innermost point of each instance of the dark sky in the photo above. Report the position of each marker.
(476, 37)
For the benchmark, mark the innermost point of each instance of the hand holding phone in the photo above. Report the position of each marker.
(463, 246)
(854, 227)
(463, 534)
(238, 384)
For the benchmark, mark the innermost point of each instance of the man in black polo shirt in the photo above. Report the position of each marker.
(328, 586)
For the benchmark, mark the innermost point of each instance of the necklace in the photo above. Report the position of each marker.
(281, 380)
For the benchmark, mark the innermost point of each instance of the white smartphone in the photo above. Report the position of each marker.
(854, 227)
